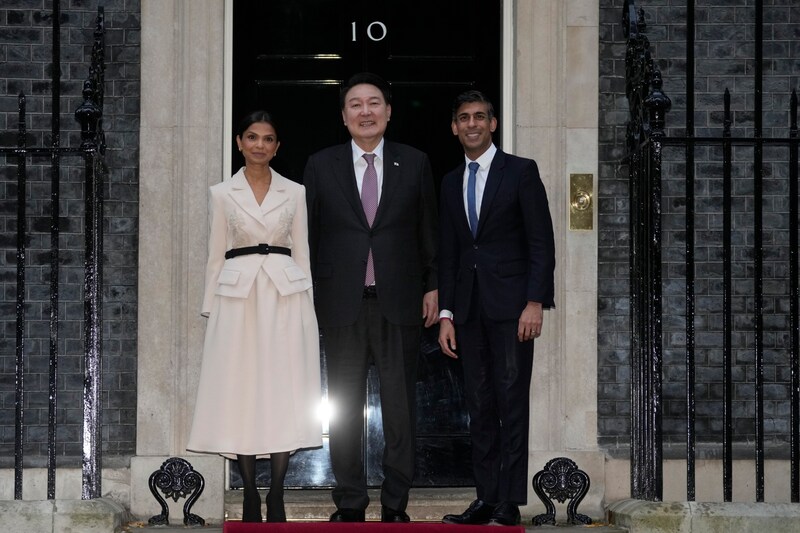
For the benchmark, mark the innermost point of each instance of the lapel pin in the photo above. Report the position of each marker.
(396, 164)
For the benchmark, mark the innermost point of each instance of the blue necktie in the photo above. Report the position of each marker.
(472, 211)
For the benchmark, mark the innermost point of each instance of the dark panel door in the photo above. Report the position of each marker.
(291, 58)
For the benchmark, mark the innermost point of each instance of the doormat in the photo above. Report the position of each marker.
(358, 527)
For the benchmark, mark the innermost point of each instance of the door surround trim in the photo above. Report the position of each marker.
(507, 75)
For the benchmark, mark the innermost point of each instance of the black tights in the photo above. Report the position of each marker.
(251, 510)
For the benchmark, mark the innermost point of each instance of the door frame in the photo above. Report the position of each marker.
(507, 83)
(506, 115)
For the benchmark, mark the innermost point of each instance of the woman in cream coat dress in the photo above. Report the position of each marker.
(259, 389)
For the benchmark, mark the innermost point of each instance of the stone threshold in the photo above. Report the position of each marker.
(101, 515)
(424, 504)
(639, 516)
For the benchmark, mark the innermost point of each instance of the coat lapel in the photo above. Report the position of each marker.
(345, 176)
(493, 181)
(457, 191)
(243, 196)
(276, 194)
(392, 175)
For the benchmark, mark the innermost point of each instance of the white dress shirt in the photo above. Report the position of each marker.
(485, 161)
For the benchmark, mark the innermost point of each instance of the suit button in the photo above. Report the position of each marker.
(474, 246)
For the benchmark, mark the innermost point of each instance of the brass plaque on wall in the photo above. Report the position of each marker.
(581, 201)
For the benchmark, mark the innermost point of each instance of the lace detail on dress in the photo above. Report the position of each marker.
(282, 235)
(238, 235)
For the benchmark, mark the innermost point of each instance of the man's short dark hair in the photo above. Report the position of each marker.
(368, 78)
(468, 97)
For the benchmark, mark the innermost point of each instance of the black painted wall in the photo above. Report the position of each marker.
(25, 66)
(725, 54)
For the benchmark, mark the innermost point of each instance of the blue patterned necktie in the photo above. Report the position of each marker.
(472, 211)
(369, 200)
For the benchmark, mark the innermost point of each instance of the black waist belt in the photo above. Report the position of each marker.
(263, 249)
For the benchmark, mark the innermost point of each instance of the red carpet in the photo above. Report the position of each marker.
(364, 527)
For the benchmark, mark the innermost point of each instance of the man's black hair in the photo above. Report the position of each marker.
(368, 78)
(468, 97)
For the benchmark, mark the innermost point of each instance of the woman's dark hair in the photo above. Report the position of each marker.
(370, 79)
(252, 118)
(468, 97)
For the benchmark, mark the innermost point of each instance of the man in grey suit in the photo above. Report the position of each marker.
(372, 234)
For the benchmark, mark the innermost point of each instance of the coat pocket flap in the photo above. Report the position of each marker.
(228, 277)
(294, 273)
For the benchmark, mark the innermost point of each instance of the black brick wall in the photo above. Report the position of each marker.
(725, 53)
(26, 66)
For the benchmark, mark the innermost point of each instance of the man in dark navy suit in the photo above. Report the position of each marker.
(372, 235)
(497, 257)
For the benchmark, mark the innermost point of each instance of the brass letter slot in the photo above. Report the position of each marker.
(581, 202)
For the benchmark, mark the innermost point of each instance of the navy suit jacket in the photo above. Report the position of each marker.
(513, 256)
(402, 237)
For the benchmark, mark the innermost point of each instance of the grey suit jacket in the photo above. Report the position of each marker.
(403, 237)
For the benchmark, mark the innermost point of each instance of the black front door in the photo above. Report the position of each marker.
(291, 58)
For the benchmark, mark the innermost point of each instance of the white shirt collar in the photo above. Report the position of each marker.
(485, 159)
(358, 152)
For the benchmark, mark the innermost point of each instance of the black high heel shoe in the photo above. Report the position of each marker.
(251, 508)
(276, 510)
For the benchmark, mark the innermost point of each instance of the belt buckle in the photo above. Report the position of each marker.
(263, 248)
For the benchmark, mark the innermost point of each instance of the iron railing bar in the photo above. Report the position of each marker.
(656, 353)
(55, 169)
(727, 322)
(690, 260)
(19, 377)
(92, 407)
(89, 114)
(638, 246)
(635, 292)
(758, 240)
(794, 304)
(633, 307)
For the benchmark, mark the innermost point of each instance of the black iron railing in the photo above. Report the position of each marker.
(92, 150)
(645, 134)
(646, 141)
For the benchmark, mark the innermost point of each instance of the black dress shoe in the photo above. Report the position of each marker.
(348, 515)
(478, 512)
(505, 514)
(390, 515)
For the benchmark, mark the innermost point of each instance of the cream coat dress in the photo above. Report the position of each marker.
(259, 389)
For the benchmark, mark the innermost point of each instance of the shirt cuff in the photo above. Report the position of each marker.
(444, 313)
